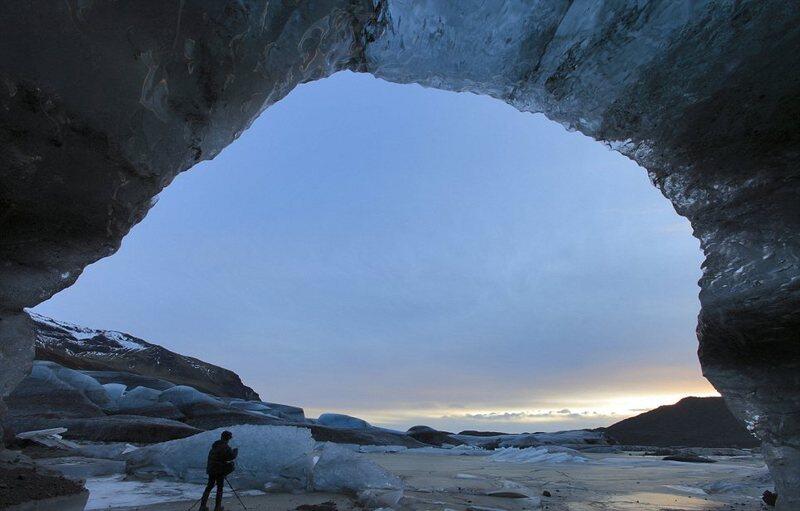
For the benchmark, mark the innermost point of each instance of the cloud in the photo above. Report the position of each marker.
(537, 416)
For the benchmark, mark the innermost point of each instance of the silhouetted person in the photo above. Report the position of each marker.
(220, 464)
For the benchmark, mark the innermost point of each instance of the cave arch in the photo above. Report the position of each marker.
(103, 103)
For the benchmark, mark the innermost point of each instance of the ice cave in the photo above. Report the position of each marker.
(104, 103)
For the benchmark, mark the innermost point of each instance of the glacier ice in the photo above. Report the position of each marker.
(114, 391)
(146, 401)
(703, 90)
(270, 457)
(339, 420)
(139, 397)
(545, 454)
(273, 458)
(183, 396)
(85, 384)
(250, 406)
(341, 470)
(48, 437)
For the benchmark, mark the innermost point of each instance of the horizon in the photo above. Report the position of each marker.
(430, 275)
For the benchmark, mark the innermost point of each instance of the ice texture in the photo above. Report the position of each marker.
(86, 385)
(147, 401)
(114, 391)
(339, 420)
(251, 406)
(702, 94)
(270, 457)
(341, 470)
(548, 454)
(183, 396)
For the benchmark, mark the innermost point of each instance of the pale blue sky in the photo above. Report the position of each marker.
(414, 256)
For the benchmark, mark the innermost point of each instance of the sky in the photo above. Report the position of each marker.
(413, 256)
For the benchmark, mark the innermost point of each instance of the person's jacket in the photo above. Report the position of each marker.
(220, 459)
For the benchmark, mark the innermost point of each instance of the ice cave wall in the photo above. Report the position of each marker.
(102, 103)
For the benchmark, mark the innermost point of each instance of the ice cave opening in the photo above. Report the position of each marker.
(103, 105)
(467, 223)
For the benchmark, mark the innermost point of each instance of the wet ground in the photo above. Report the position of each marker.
(604, 482)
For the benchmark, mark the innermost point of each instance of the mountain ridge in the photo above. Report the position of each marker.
(89, 349)
(691, 422)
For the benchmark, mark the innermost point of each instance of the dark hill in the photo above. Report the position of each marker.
(691, 422)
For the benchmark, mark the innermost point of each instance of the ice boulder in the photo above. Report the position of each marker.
(252, 406)
(341, 470)
(114, 391)
(338, 420)
(43, 394)
(84, 384)
(270, 457)
(545, 454)
(147, 401)
(288, 412)
(183, 397)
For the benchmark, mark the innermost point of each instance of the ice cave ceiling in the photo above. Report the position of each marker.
(103, 103)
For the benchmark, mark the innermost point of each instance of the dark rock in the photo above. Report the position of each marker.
(546, 494)
(661, 452)
(689, 458)
(115, 428)
(430, 436)
(16, 354)
(692, 422)
(506, 494)
(372, 436)
(470, 432)
(769, 498)
(288, 412)
(424, 429)
(325, 506)
(24, 485)
(207, 416)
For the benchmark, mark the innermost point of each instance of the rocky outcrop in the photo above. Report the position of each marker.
(78, 347)
(27, 487)
(103, 103)
(691, 422)
(117, 428)
(16, 353)
(430, 436)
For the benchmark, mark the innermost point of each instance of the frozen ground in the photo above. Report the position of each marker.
(438, 481)
(117, 492)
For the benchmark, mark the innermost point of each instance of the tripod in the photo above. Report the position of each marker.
(236, 494)
(232, 489)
